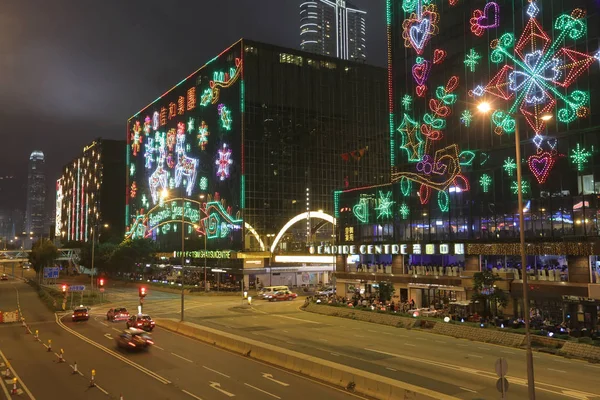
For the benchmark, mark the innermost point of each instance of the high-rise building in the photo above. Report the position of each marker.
(36, 195)
(90, 192)
(257, 137)
(12, 202)
(333, 28)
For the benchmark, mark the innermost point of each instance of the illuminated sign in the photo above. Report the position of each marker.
(223, 254)
(392, 249)
(173, 213)
(59, 201)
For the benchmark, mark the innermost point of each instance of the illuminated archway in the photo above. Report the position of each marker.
(255, 234)
(300, 217)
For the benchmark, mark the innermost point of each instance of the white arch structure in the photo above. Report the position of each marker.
(300, 217)
(255, 234)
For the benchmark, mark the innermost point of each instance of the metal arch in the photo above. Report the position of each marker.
(300, 217)
(256, 236)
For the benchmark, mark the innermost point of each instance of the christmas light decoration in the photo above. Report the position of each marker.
(158, 180)
(186, 166)
(466, 157)
(361, 210)
(190, 125)
(540, 68)
(384, 208)
(439, 56)
(489, 18)
(136, 138)
(133, 191)
(223, 162)
(420, 27)
(580, 156)
(412, 142)
(503, 122)
(404, 211)
(145, 203)
(443, 201)
(406, 102)
(541, 164)
(225, 114)
(203, 183)
(132, 170)
(206, 97)
(155, 120)
(412, 5)
(485, 181)
(222, 80)
(421, 71)
(172, 110)
(405, 186)
(180, 105)
(472, 59)
(484, 158)
(524, 187)
(191, 98)
(203, 135)
(510, 166)
(466, 117)
(163, 116)
(147, 125)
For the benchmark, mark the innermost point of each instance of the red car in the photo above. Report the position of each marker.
(282, 295)
(141, 321)
(117, 314)
(80, 314)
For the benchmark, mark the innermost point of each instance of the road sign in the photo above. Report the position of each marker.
(502, 385)
(51, 272)
(501, 367)
(101, 290)
(77, 288)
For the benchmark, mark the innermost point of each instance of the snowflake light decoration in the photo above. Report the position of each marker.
(223, 162)
(406, 101)
(225, 114)
(485, 181)
(145, 203)
(190, 125)
(510, 166)
(404, 211)
(132, 169)
(472, 59)
(466, 117)
(136, 138)
(542, 71)
(524, 186)
(133, 190)
(384, 208)
(203, 135)
(206, 97)
(580, 156)
(203, 183)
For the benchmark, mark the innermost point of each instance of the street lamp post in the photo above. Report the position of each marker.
(182, 253)
(94, 228)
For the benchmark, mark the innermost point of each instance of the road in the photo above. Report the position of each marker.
(452, 366)
(176, 368)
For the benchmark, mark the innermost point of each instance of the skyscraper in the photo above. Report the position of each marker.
(36, 194)
(333, 28)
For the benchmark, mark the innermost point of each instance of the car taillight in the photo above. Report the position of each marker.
(86, 314)
(152, 322)
(73, 316)
(131, 344)
(139, 323)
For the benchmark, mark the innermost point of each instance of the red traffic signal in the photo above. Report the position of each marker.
(143, 292)
(64, 288)
(101, 282)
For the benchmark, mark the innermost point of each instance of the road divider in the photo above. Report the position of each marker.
(366, 383)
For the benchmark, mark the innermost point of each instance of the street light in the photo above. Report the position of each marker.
(94, 227)
(485, 107)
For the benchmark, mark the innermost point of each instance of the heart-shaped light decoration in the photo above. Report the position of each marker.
(421, 90)
(421, 71)
(439, 56)
(541, 164)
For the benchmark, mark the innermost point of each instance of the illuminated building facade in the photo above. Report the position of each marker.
(36, 195)
(254, 138)
(89, 194)
(333, 28)
(453, 167)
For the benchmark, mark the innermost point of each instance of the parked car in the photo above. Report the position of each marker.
(117, 314)
(282, 295)
(134, 339)
(80, 314)
(141, 321)
(4, 277)
(328, 291)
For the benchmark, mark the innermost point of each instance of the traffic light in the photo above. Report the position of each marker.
(64, 288)
(101, 282)
(143, 292)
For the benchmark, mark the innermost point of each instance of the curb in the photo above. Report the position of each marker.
(363, 382)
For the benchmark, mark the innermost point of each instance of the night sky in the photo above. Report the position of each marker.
(74, 70)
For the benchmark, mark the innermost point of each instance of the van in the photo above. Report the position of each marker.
(268, 290)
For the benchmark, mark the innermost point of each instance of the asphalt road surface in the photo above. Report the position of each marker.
(452, 366)
(176, 368)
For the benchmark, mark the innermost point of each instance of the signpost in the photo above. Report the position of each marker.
(501, 367)
(51, 272)
(77, 288)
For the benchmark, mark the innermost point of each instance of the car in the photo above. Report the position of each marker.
(328, 291)
(80, 314)
(4, 277)
(134, 339)
(141, 321)
(282, 295)
(117, 314)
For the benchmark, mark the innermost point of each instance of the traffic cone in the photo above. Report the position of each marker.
(121, 396)
(92, 381)
(14, 389)
(75, 371)
(60, 356)
(37, 336)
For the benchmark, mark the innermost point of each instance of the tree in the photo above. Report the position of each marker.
(131, 252)
(487, 293)
(386, 291)
(102, 255)
(43, 254)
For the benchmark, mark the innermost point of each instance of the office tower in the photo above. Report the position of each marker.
(333, 28)
(36, 195)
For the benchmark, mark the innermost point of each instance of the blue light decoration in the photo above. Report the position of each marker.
(186, 166)
(225, 115)
(384, 208)
(149, 153)
(224, 162)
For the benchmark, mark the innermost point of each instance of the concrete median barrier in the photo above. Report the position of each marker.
(363, 382)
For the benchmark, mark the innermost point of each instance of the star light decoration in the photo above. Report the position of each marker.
(510, 166)
(223, 162)
(190, 125)
(132, 169)
(203, 183)
(404, 211)
(384, 208)
(406, 102)
(485, 181)
(524, 187)
(466, 117)
(542, 70)
(225, 114)
(472, 59)
(203, 135)
(580, 156)
(145, 203)
(412, 142)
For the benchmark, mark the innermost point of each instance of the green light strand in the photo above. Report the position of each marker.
(580, 157)
(472, 59)
(404, 211)
(485, 181)
(384, 208)
(510, 166)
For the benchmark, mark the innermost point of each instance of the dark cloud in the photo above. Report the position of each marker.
(73, 70)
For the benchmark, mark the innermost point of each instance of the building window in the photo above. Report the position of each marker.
(327, 64)
(251, 50)
(290, 59)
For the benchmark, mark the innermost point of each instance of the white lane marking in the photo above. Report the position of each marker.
(215, 371)
(592, 366)
(369, 330)
(358, 336)
(508, 352)
(270, 378)
(323, 340)
(462, 345)
(387, 333)
(298, 319)
(474, 355)
(335, 354)
(420, 338)
(4, 389)
(467, 389)
(440, 341)
(158, 347)
(286, 331)
(73, 368)
(183, 358)
(263, 391)
(483, 348)
(191, 394)
(108, 336)
(556, 370)
(217, 386)
(16, 376)
(391, 369)
(563, 361)
(117, 330)
(409, 344)
(102, 390)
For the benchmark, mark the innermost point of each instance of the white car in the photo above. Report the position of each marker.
(328, 291)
